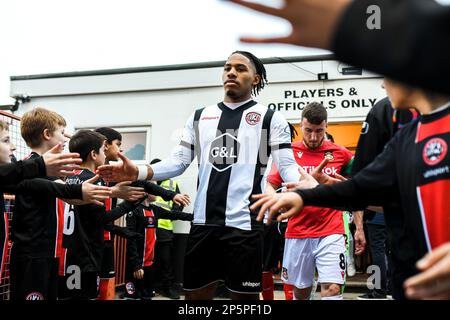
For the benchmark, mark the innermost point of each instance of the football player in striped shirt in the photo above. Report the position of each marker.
(232, 141)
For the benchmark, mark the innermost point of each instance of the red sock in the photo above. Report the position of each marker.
(268, 285)
(288, 291)
(107, 290)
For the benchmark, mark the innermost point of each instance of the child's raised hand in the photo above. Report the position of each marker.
(182, 200)
(58, 164)
(93, 193)
(124, 190)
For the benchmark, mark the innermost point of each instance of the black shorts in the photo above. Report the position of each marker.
(107, 269)
(224, 254)
(33, 278)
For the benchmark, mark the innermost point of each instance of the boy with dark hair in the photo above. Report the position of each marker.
(412, 170)
(35, 223)
(84, 234)
(113, 143)
(381, 124)
(140, 269)
(107, 271)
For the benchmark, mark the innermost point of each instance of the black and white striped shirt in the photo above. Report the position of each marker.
(232, 144)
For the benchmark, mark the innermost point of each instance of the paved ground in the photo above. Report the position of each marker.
(355, 286)
(279, 295)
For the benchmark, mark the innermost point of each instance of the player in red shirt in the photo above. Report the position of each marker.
(315, 239)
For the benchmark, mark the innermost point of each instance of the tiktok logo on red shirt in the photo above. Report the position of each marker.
(331, 171)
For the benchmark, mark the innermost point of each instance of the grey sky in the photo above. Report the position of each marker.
(45, 36)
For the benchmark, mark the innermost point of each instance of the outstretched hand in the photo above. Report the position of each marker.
(182, 200)
(124, 190)
(122, 171)
(317, 176)
(93, 193)
(434, 280)
(58, 164)
(312, 21)
(306, 181)
(324, 178)
(289, 204)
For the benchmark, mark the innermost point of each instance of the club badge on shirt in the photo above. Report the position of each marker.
(329, 155)
(253, 118)
(150, 222)
(434, 151)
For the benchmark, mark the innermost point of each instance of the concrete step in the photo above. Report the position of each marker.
(357, 283)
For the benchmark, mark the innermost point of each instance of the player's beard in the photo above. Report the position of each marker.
(233, 94)
(317, 145)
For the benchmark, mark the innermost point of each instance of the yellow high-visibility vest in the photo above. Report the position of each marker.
(172, 186)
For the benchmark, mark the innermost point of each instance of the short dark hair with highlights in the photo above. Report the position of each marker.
(260, 70)
(110, 134)
(84, 141)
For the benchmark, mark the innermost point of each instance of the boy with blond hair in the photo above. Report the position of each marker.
(36, 222)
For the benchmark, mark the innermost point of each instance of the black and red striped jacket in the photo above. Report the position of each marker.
(13, 173)
(414, 170)
(144, 220)
(15, 178)
(83, 240)
(381, 124)
(34, 226)
(3, 239)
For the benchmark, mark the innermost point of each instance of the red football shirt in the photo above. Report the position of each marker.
(314, 222)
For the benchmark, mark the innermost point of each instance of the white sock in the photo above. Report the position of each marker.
(338, 297)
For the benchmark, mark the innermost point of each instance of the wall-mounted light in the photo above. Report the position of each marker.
(322, 76)
(14, 107)
(347, 70)
(352, 71)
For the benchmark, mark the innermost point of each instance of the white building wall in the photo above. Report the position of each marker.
(164, 100)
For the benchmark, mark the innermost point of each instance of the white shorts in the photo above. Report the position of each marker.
(302, 256)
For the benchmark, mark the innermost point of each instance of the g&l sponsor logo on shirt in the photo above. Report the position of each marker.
(224, 152)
